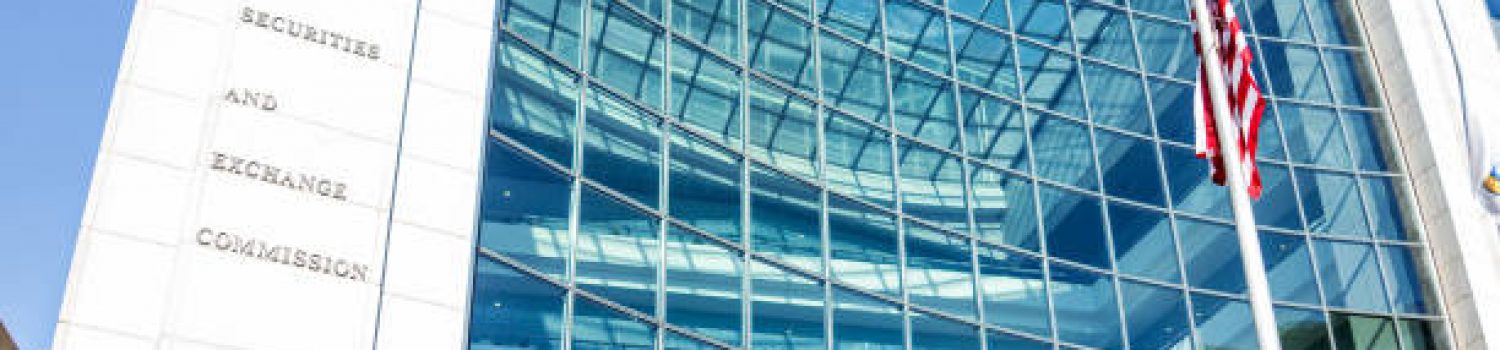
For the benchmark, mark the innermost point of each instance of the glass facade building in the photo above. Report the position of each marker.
(894, 174)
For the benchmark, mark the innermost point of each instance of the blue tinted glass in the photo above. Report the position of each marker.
(1085, 305)
(1063, 151)
(1117, 98)
(625, 52)
(1301, 73)
(1366, 139)
(924, 106)
(675, 341)
(705, 189)
(554, 25)
(1043, 20)
(1269, 145)
(1103, 32)
(1401, 272)
(864, 323)
(1167, 48)
(1351, 275)
(853, 77)
(512, 309)
(932, 186)
(781, 45)
(1331, 203)
(1223, 323)
(1130, 167)
(1302, 329)
(939, 273)
(1074, 226)
(1281, 18)
(1015, 294)
(1289, 264)
(1344, 73)
(622, 147)
(652, 8)
(992, 12)
(863, 246)
(998, 340)
(787, 312)
(711, 22)
(1314, 136)
(524, 210)
(1144, 245)
(1277, 206)
(932, 332)
(858, 159)
(1174, 110)
(596, 327)
(1420, 335)
(917, 34)
(985, 57)
(1004, 209)
(534, 101)
(1363, 332)
(1383, 196)
(1053, 80)
(783, 130)
(1211, 256)
(856, 19)
(706, 93)
(1156, 317)
(617, 252)
(784, 219)
(1170, 8)
(1328, 24)
(703, 286)
(995, 131)
(1193, 190)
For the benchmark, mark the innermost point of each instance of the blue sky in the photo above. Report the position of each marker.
(57, 69)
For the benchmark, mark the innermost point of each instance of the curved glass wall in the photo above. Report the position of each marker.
(855, 174)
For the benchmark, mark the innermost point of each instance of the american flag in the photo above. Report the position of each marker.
(1245, 102)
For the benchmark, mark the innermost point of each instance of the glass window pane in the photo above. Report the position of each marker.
(533, 101)
(1332, 25)
(1004, 209)
(781, 46)
(1277, 206)
(706, 93)
(917, 34)
(1281, 18)
(1211, 256)
(932, 332)
(788, 310)
(1117, 98)
(1167, 48)
(1367, 139)
(651, 8)
(705, 188)
(992, 12)
(1331, 203)
(984, 56)
(864, 323)
(939, 273)
(1384, 196)
(1351, 275)
(853, 77)
(932, 186)
(1223, 323)
(998, 340)
(995, 131)
(1174, 110)
(859, 159)
(512, 309)
(1130, 168)
(856, 19)
(703, 286)
(784, 219)
(1085, 307)
(553, 25)
(1103, 32)
(674, 341)
(1403, 273)
(1193, 190)
(1053, 80)
(1420, 335)
(1289, 264)
(1075, 227)
(863, 246)
(617, 252)
(1302, 329)
(1156, 317)
(1063, 151)
(924, 106)
(1301, 73)
(622, 149)
(1314, 136)
(1269, 145)
(596, 327)
(1175, 9)
(1351, 87)
(711, 22)
(1143, 242)
(625, 52)
(524, 210)
(1043, 20)
(1363, 332)
(1015, 294)
(783, 130)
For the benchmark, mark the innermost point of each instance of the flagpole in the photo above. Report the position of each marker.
(1244, 216)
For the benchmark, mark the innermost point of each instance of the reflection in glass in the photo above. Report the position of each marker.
(1084, 304)
(706, 93)
(705, 186)
(1015, 294)
(524, 213)
(597, 327)
(1363, 332)
(617, 252)
(1075, 227)
(1223, 323)
(1004, 209)
(1289, 268)
(787, 309)
(703, 286)
(936, 333)
(1351, 275)
(784, 219)
(1143, 242)
(1211, 256)
(512, 309)
(1156, 317)
(622, 149)
(533, 101)
(1302, 329)
(783, 130)
(939, 273)
(863, 246)
(932, 186)
(864, 323)
(858, 159)
(626, 52)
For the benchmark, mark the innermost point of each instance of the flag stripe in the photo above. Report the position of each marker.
(1245, 102)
